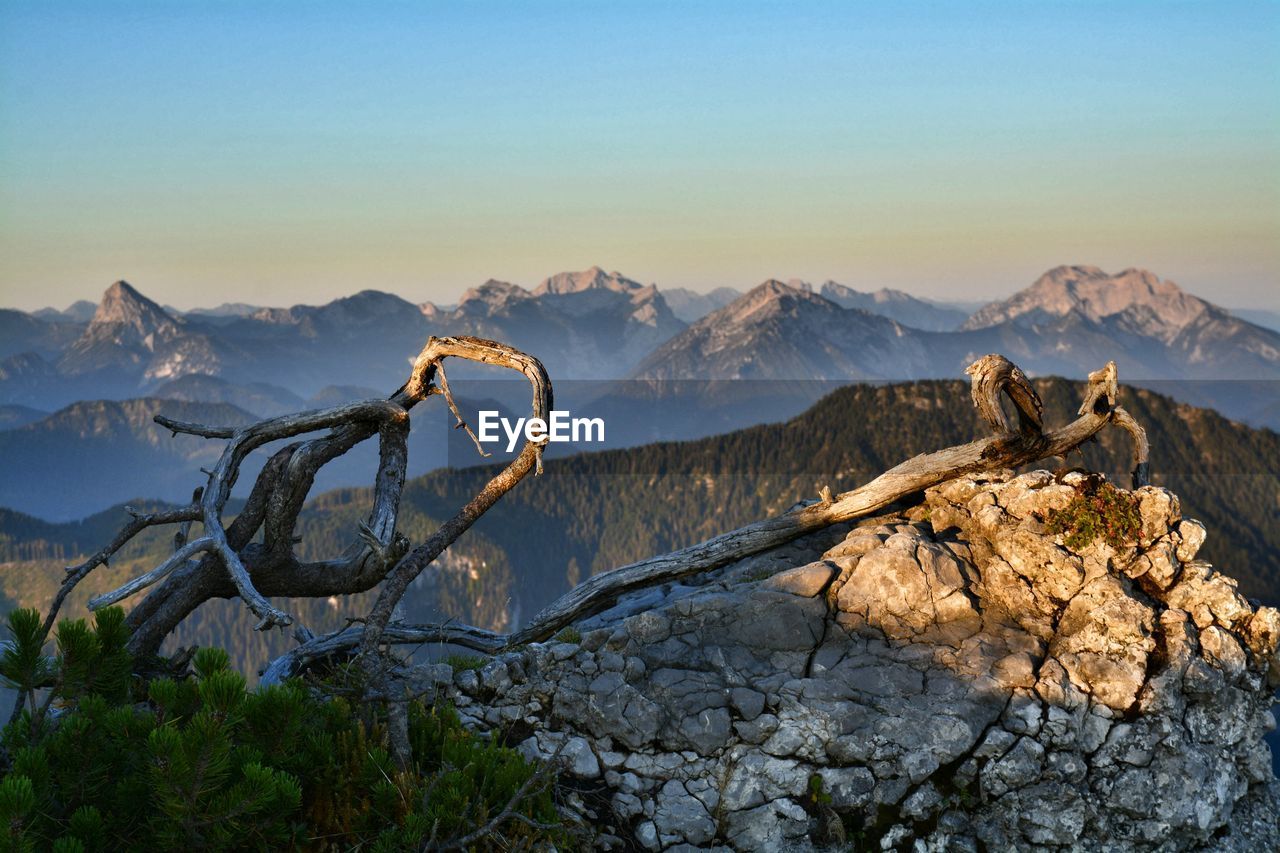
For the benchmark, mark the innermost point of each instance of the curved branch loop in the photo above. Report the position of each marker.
(234, 564)
(1140, 475)
(993, 374)
(530, 458)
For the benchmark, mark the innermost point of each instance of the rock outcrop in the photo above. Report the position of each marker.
(950, 676)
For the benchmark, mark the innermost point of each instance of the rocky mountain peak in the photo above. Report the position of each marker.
(767, 297)
(492, 295)
(594, 278)
(1138, 297)
(951, 675)
(123, 305)
(132, 336)
(830, 286)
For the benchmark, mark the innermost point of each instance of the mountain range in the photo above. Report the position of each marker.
(656, 373)
(599, 325)
(1059, 325)
(591, 324)
(1067, 323)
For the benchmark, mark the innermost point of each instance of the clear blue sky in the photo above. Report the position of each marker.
(287, 152)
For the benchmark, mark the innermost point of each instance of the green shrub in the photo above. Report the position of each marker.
(204, 763)
(1099, 510)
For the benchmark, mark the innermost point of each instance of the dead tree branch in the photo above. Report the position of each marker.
(453, 407)
(992, 376)
(1141, 473)
(252, 557)
(300, 657)
(199, 430)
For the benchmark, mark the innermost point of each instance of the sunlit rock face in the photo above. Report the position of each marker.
(950, 676)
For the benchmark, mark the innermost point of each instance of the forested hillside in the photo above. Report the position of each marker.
(595, 511)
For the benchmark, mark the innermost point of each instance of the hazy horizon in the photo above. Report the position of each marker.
(280, 154)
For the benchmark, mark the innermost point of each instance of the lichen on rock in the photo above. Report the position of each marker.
(954, 675)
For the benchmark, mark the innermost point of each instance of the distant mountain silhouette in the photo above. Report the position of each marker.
(589, 324)
(691, 306)
(897, 305)
(783, 331)
(93, 454)
(1067, 323)
(795, 343)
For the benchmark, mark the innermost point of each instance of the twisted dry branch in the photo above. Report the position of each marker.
(329, 645)
(225, 560)
(992, 376)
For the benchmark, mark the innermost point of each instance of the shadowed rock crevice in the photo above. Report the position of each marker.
(952, 675)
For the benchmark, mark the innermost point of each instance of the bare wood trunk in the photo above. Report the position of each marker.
(992, 376)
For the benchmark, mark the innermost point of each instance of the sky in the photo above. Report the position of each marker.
(278, 153)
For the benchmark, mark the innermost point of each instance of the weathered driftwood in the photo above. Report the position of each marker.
(225, 561)
(992, 376)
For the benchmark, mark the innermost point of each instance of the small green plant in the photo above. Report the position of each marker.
(829, 828)
(204, 763)
(817, 792)
(1098, 510)
(569, 635)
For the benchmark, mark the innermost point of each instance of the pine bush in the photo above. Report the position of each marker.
(100, 761)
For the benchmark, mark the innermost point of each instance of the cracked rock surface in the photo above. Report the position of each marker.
(946, 677)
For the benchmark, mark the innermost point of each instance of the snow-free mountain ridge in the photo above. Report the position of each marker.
(599, 325)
